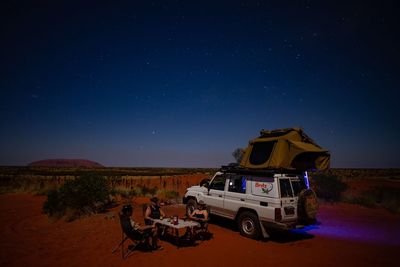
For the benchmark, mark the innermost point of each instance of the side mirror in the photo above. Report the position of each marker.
(205, 182)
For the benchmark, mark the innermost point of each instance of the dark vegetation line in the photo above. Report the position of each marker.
(154, 171)
(61, 184)
(108, 171)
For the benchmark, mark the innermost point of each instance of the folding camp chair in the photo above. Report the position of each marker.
(138, 237)
(201, 232)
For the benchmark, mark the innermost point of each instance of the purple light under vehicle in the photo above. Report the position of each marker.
(362, 229)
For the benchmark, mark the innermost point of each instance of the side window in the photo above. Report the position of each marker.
(237, 184)
(218, 183)
(286, 189)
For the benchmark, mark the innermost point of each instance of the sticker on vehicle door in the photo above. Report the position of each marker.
(261, 186)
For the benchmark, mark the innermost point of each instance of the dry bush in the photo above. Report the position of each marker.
(378, 197)
(168, 195)
(327, 186)
(84, 195)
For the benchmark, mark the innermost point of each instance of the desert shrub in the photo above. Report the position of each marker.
(125, 193)
(114, 181)
(141, 190)
(147, 191)
(327, 186)
(167, 194)
(238, 154)
(87, 194)
(383, 196)
(43, 190)
(25, 184)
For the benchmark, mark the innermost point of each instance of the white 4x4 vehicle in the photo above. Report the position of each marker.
(257, 200)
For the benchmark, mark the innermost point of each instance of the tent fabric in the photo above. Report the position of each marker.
(288, 148)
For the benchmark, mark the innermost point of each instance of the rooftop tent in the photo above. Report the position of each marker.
(288, 148)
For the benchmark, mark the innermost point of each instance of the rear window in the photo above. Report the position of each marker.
(298, 186)
(286, 189)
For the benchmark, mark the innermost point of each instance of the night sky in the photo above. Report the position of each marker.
(184, 83)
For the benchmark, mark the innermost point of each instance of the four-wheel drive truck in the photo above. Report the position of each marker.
(258, 201)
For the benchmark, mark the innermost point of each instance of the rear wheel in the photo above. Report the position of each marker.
(191, 206)
(249, 225)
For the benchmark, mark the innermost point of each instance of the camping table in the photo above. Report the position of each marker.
(181, 224)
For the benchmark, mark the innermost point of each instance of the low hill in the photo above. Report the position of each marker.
(66, 163)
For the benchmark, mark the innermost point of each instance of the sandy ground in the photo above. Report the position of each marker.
(346, 235)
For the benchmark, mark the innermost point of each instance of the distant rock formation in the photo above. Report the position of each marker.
(66, 163)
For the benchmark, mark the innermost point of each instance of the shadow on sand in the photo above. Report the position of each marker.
(179, 242)
(275, 236)
(290, 236)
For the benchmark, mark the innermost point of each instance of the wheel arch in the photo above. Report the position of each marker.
(243, 209)
(191, 197)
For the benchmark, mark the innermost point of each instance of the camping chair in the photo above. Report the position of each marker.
(201, 232)
(138, 238)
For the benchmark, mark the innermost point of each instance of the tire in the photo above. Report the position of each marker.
(191, 205)
(249, 225)
(307, 206)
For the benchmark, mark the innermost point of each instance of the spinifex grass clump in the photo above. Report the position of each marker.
(87, 194)
(328, 187)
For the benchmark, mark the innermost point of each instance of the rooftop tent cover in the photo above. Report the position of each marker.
(288, 148)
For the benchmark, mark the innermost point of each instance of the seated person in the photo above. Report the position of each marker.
(135, 231)
(153, 211)
(200, 214)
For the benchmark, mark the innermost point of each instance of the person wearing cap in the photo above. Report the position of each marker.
(153, 211)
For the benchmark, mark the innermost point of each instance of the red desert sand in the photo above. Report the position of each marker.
(346, 235)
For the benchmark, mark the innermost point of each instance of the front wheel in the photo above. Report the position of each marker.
(249, 225)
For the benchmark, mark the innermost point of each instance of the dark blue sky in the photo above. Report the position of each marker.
(183, 84)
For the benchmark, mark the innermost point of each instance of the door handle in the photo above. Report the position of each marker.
(219, 195)
(242, 199)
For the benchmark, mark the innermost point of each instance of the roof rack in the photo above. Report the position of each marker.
(235, 168)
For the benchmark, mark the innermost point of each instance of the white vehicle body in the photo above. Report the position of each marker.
(257, 201)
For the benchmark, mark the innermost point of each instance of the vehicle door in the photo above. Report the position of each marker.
(235, 196)
(216, 193)
(289, 200)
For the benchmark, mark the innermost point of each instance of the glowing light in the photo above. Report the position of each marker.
(306, 180)
(243, 184)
